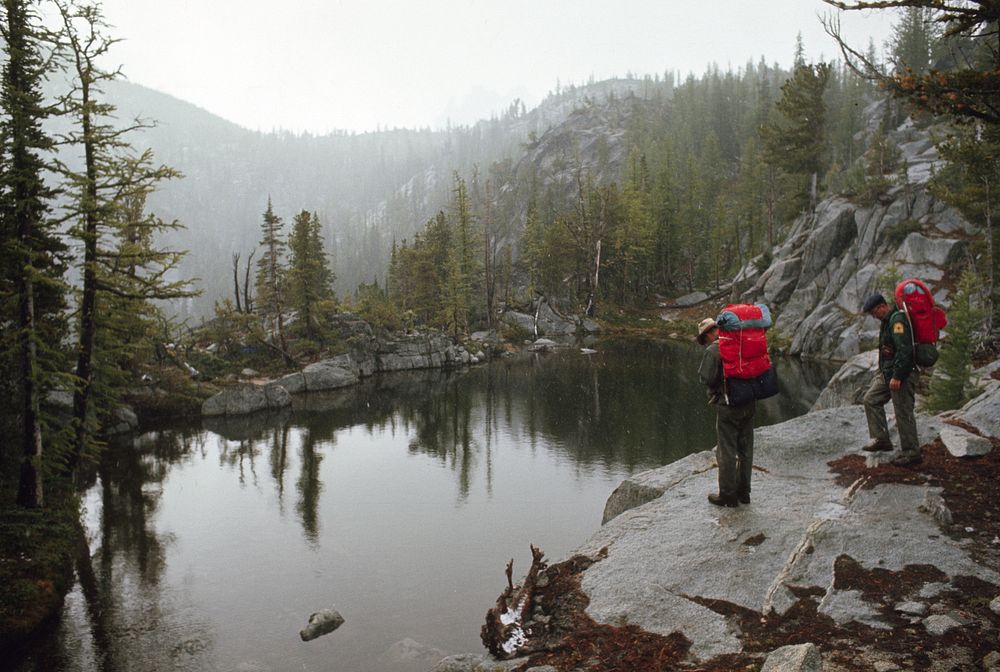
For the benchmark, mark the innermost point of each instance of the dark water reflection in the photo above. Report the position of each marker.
(398, 502)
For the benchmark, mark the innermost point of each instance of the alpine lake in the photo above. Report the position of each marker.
(397, 502)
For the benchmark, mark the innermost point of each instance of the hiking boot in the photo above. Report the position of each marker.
(876, 446)
(906, 459)
(744, 498)
(719, 500)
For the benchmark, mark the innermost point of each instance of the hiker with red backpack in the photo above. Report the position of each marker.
(737, 371)
(897, 379)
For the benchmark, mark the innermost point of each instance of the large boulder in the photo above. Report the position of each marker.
(962, 443)
(983, 412)
(246, 398)
(554, 324)
(848, 385)
(919, 249)
(549, 322)
(648, 485)
(122, 421)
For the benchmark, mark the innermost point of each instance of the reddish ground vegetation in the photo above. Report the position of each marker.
(968, 487)
(854, 646)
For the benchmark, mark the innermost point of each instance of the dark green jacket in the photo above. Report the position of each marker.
(895, 354)
(710, 373)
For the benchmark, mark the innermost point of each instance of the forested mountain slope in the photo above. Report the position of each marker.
(368, 189)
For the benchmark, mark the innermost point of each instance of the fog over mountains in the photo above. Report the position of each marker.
(368, 189)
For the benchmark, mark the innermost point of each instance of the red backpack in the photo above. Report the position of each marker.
(926, 320)
(742, 342)
(914, 298)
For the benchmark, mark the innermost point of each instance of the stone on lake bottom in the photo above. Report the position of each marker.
(321, 623)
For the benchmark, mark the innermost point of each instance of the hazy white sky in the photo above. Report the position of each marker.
(320, 65)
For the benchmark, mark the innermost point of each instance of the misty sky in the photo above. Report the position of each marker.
(320, 65)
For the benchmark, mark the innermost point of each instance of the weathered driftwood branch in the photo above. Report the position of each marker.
(504, 632)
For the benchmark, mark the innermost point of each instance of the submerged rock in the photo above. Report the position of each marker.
(321, 623)
(410, 651)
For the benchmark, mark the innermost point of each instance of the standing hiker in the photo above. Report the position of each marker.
(896, 379)
(733, 425)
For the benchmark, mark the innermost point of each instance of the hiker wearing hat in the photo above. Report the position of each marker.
(733, 426)
(896, 379)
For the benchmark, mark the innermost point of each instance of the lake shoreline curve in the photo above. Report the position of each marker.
(842, 561)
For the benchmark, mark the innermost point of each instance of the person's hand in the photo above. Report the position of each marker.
(895, 384)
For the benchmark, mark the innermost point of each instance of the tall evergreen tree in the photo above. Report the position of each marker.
(310, 280)
(970, 180)
(271, 280)
(32, 269)
(914, 41)
(795, 139)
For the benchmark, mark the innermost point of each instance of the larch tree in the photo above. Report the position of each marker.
(105, 213)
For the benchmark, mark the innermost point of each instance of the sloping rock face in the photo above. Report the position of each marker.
(832, 258)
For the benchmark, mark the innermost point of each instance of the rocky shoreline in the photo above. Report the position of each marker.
(369, 354)
(842, 561)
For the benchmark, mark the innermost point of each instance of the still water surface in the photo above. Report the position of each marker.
(397, 502)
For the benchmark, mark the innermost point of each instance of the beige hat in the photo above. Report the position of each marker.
(704, 327)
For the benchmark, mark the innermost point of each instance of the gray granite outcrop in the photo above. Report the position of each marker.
(670, 548)
(832, 258)
(547, 322)
(246, 398)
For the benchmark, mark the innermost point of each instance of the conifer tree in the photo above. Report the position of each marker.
(310, 280)
(108, 195)
(914, 41)
(794, 140)
(32, 268)
(970, 181)
(463, 268)
(968, 91)
(949, 387)
(271, 280)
